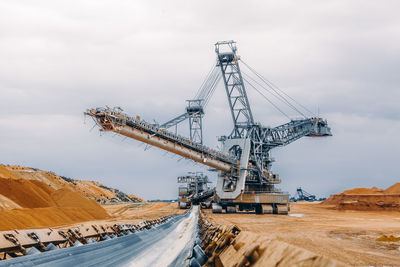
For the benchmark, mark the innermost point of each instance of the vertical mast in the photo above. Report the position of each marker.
(239, 105)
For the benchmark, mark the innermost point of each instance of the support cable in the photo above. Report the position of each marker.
(274, 87)
(213, 87)
(204, 81)
(266, 98)
(279, 97)
(205, 87)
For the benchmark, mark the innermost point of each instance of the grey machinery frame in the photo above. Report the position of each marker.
(245, 180)
(253, 184)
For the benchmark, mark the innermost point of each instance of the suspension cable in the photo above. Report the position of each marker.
(266, 98)
(213, 87)
(274, 87)
(201, 88)
(279, 97)
(208, 86)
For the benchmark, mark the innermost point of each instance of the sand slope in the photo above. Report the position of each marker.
(26, 193)
(27, 203)
(394, 189)
(8, 204)
(367, 199)
(90, 189)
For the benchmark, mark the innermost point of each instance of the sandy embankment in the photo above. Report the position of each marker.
(31, 198)
(367, 199)
(34, 204)
(39, 205)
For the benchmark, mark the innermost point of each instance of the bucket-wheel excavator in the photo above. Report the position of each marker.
(245, 181)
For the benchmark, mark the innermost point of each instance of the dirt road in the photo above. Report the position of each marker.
(346, 236)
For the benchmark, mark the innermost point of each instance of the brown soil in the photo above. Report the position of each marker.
(348, 236)
(141, 211)
(271, 252)
(394, 189)
(26, 193)
(364, 202)
(8, 204)
(367, 199)
(390, 238)
(132, 213)
(5, 173)
(363, 191)
(89, 189)
(64, 197)
(138, 198)
(44, 217)
(33, 204)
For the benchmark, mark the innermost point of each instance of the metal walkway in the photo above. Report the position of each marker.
(168, 244)
(118, 122)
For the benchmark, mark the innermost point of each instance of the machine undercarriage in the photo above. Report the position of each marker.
(195, 192)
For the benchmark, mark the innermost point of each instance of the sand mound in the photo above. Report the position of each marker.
(363, 191)
(367, 199)
(394, 189)
(139, 199)
(90, 189)
(5, 173)
(65, 197)
(26, 193)
(32, 198)
(43, 217)
(64, 207)
(8, 204)
(32, 204)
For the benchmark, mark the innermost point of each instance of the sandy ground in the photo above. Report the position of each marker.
(137, 212)
(132, 213)
(347, 236)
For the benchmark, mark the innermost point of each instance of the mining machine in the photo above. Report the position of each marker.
(245, 181)
(196, 191)
(303, 195)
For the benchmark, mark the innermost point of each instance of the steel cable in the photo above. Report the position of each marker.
(266, 98)
(275, 88)
(283, 100)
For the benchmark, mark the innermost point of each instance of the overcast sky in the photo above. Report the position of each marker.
(58, 58)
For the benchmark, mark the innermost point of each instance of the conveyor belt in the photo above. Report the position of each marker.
(168, 244)
(115, 121)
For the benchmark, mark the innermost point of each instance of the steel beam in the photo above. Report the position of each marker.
(172, 147)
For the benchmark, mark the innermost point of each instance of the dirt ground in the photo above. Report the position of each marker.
(344, 235)
(131, 213)
(347, 236)
(136, 212)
